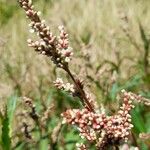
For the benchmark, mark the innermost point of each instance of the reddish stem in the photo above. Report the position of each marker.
(82, 96)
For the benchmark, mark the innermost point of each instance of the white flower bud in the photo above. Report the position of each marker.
(39, 13)
(31, 31)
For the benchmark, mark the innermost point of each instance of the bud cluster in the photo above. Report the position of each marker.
(137, 98)
(46, 115)
(95, 126)
(98, 127)
(64, 86)
(63, 44)
(57, 48)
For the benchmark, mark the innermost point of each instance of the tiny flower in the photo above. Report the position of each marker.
(39, 13)
(30, 2)
(67, 59)
(29, 40)
(31, 30)
(61, 27)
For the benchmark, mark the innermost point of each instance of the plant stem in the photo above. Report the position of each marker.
(82, 96)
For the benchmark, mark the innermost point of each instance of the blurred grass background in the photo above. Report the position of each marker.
(111, 51)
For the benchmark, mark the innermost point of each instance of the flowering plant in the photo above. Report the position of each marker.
(94, 124)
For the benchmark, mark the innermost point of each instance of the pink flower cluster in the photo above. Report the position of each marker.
(57, 48)
(63, 44)
(100, 128)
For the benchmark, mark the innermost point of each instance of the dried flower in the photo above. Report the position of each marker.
(30, 104)
(144, 136)
(26, 131)
(56, 132)
(47, 114)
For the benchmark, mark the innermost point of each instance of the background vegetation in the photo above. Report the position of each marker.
(111, 41)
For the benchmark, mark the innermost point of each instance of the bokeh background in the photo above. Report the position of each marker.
(111, 42)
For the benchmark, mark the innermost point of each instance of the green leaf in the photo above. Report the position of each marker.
(6, 140)
(43, 145)
(138, 120)
(114, 91)
(11, 106)
(133, 82)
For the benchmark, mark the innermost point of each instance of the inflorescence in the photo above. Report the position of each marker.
(57, 48)
(100, 128)
(96, 127)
